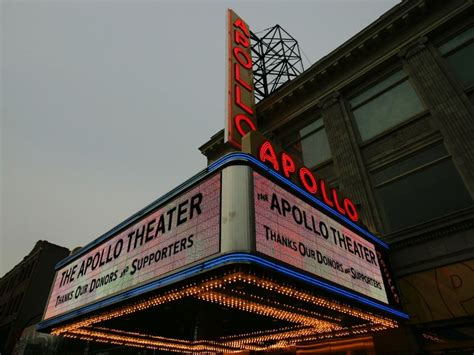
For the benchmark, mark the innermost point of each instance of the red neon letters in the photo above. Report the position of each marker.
(307, 179)
(267, 154)
(241, 117)
(248, 121)
(287, 164)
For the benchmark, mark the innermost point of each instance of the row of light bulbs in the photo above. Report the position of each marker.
(308, 325)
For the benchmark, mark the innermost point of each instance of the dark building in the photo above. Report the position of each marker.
(24, 291)
(388, 118)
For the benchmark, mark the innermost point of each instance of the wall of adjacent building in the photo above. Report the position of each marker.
(24, 291)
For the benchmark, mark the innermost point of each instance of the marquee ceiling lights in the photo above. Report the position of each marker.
(311, 317)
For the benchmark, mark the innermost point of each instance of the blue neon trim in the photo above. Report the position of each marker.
(199, 176)
(242, 156)
(147, 209)
(310, 280)
(207, 265)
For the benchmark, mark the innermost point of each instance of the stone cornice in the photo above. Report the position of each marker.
(214, 142)
(360, 43)
(330, 100)
(413, 48)
(399, 18)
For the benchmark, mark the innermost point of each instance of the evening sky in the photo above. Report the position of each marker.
(104, 103)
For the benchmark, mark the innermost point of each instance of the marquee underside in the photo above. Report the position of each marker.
(210, 311)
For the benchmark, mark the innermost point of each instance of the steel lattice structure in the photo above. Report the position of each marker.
(276, 60)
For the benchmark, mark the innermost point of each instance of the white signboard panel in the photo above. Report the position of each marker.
(183, 231)
(292, 231)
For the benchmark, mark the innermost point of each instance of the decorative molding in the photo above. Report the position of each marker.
(413, 48)
(329, 100)
(447, 225)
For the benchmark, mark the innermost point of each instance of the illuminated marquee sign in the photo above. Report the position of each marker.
(177, 234)
(292, 231)
(237, 211)
(241, 117)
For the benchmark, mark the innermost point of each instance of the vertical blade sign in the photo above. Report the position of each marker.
(241, 117)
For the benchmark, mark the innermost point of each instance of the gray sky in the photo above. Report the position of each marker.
(104, 103)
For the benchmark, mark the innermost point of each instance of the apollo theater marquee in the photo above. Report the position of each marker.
(255, 252)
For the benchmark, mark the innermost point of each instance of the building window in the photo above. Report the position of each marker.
(418, 188)
(459, 53)
(310, 144)
(384, 105)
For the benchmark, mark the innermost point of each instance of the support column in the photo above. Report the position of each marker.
(352, 177)
(450, 109)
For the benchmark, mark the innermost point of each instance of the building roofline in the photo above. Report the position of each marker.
(397, 18)
(386, 22)
(352, 43)
(39, 246)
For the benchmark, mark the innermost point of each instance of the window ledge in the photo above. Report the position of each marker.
(322, 164)
(394, 128)
(435, 228)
